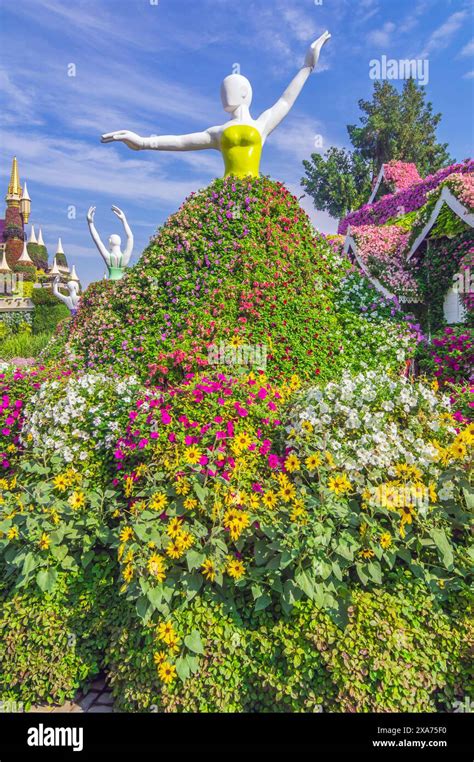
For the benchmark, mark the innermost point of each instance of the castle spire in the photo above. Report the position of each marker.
(55, 269)
(4, 268)
(25, 258)
(73, 275)
(13, 196)
(40, 238)
(60, 249)
(25, 204)
(32, 238)
(14, 187)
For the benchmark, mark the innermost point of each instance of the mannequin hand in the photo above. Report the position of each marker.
(131, 139)
(118, 212)
(90, 214)
(312, 56)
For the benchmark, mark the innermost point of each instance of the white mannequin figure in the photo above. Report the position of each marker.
(73, 299)
(236, 95)
(114, 258)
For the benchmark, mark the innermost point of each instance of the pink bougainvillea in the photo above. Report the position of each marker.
(400, 175)
(394, 205)
(382, 250)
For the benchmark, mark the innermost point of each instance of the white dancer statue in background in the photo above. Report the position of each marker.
(114, 258)
(71, 301)
(241, 139)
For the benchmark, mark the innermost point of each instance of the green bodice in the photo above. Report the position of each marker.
(241, 147)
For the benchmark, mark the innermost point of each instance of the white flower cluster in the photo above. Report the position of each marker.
(370, 423)
(80, 416)
(385, 339)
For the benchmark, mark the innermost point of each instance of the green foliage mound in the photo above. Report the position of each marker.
(48, 312)
(239, 263)
(51, 643)
(399, 652)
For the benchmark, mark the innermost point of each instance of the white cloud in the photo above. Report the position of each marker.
(469, 74)
(300, 23)
(468, 49)
(73, 166)
(383, 36)
(413, 18)
(442, 36)
(295, 138)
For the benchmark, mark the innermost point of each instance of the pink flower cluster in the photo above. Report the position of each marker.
(16, 388)
(400, 175)
(394, 205)
(382, 250)
(207, 413)
(10, 420)
(453, 355)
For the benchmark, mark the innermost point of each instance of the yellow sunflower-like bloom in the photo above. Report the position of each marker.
(156, 567)
(158, 501)
(44, 541)
(167, 672)
(209, 570)
(126, 534)
(339, 484)
(292, 463)
(235, 569)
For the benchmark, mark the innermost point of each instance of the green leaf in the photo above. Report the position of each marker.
(319, 595)
(336, 570)
(182, 668)
(193, 662)
(154, 595)
(375, 572)
(87, 558)
(46, 579)
(201, 492)
(361, 573)
(262, 602)
(304, 581)
(143, 606)
(194, 559)
(192, 583)
(29, 564)
(345, 551)
(194, 642)
(256, 591)
(442, 543)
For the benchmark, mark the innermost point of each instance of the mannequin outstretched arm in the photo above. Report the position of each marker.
(129, 247)
(194, 141)
(56, 290)
(95, 236)
(274, 115)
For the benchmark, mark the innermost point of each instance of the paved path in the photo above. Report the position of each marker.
(97, 699)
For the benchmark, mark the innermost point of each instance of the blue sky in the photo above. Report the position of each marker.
(155, 67)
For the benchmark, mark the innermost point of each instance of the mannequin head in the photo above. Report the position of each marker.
(73, 287)
(236, 91)
(114, 242)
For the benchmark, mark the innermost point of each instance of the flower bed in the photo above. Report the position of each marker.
(393, 205)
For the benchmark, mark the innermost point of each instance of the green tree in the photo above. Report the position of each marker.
(338, 183)
(393, 125)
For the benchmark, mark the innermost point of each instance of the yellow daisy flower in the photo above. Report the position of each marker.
(77, 500)
(156, 567)
(126, 534)
(192, 455)
(339, 484)
(44, 541)
(209, 570)
(292, 463)
(235, 569)
(158, 501)
(167, 672)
